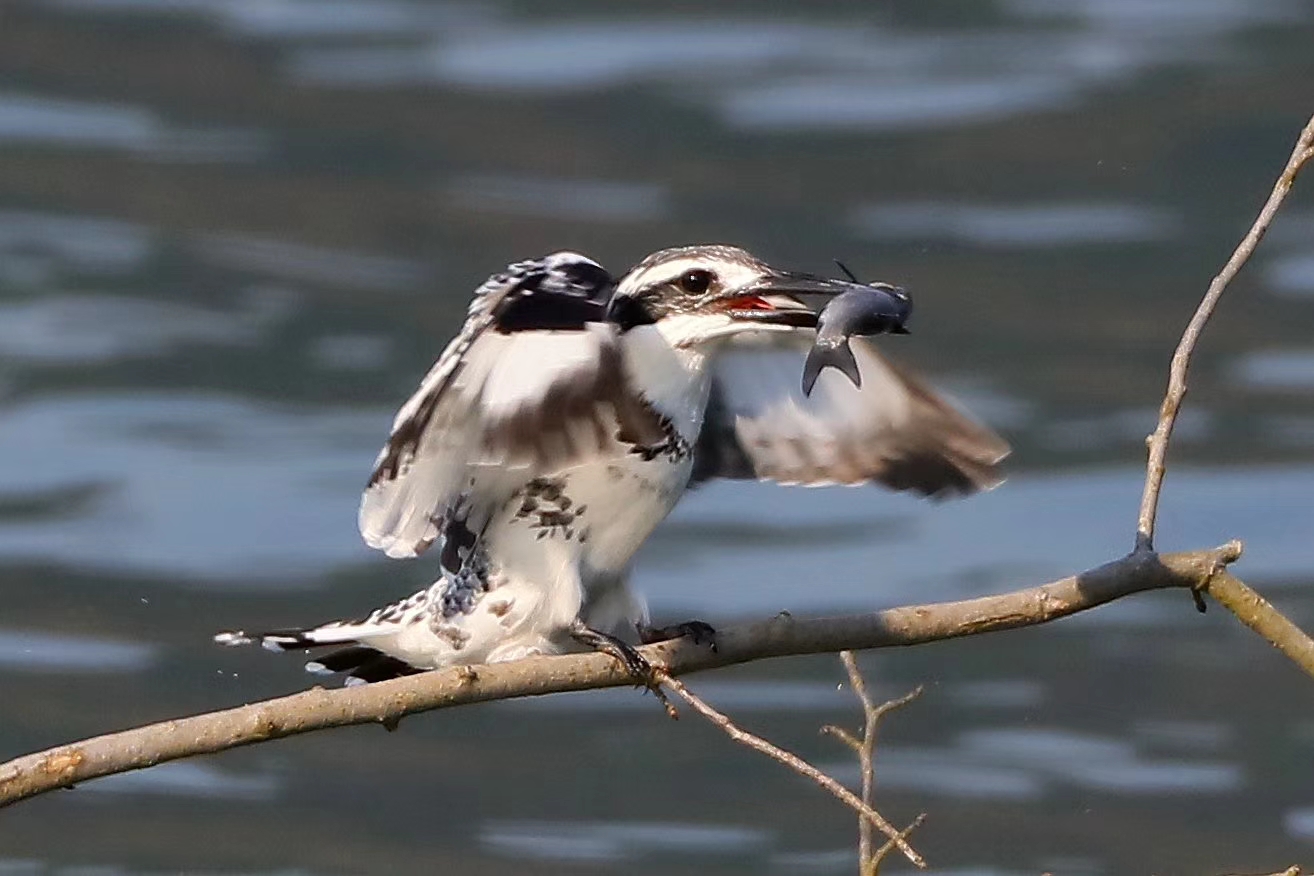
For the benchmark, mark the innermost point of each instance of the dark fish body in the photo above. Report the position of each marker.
(863, 310)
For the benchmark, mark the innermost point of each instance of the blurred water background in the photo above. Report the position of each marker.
(233, 233)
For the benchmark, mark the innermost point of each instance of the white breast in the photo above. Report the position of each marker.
(672, 375)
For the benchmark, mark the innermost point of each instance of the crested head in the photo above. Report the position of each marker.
(690, 281)
(723, 289)
(683, 277)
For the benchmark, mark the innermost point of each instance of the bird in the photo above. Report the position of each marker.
(572, 412)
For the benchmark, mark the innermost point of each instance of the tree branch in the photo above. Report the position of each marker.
(1181, 362)
(1259, 614)
(865, 749)
(868, 815)
(388, 701)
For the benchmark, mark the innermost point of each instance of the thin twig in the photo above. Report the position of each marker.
(866, 748)
(874, 865)
(1181, 362)
(797, 764)
(386, 702)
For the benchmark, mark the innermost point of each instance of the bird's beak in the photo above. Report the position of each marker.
(777, 299)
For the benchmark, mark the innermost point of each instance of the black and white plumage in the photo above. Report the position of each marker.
(570, 414)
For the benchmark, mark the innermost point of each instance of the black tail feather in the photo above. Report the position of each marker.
(363, 663)
(343, 660)
(359, 662)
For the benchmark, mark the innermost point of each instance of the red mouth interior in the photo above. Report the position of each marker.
(750, 302)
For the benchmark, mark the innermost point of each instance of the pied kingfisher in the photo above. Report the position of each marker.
(570, 414)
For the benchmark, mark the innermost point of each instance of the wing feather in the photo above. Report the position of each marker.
(505, 402)
(894, 429)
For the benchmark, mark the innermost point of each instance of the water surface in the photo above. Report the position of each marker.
(234, 234)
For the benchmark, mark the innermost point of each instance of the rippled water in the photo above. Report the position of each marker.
(233, 233)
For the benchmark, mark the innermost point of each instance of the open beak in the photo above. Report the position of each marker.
(777, 300)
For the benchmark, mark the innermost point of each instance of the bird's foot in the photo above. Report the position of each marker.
(643, 672)
(695, 630)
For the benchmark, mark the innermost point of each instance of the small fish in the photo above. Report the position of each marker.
(866, 309)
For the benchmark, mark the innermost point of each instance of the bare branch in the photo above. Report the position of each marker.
(1181, 362)
(866, 751)
(388, 701)
(843, 736)
(1259, 614)
(798, 765)
(874, 865)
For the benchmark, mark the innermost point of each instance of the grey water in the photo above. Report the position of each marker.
(234, 233)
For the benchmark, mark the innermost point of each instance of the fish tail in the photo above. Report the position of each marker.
(824, 355)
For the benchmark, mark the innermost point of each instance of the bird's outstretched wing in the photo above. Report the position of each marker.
(534, 380)
(894, 429)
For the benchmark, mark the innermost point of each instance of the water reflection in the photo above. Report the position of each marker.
(1276, 370)
(1186, 736)
(32, 119)
(584, 55)
(998, 694)
(1300, 822)
(1292, 275)
(1027, 763)
(188, 779)
(68, 330)
(738, 696)
(578, 200)
(847, 102)
(84, 244)
(617, 841)
(1031, 529)
(819, 862)
(1016, 226)
(17, 867)
(334, 268)
(1125, 429)
(1165, 17)
(32, 651)
(278, 20)
(351, 352)
(180, 469)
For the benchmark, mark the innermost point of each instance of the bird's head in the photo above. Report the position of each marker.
(716, 291)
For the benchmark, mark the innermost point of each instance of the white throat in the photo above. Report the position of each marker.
(668, 363)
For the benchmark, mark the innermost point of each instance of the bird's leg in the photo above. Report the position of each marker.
(635, 663)
(697, 632)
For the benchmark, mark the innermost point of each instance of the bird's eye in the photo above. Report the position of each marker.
(696, 282)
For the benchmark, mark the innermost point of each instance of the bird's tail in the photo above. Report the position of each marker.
(360, 662)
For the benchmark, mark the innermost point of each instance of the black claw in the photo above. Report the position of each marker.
(631, 659)
(696, 631)
(643, 672)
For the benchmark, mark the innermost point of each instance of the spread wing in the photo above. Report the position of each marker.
(894, 429)
(534, 380)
